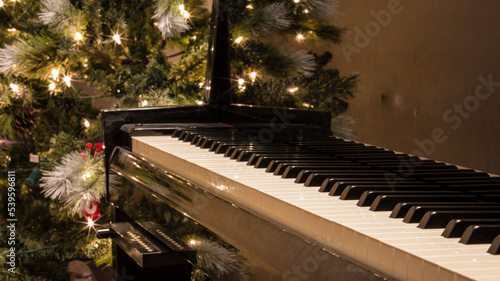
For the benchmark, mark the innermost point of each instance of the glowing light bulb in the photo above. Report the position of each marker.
(78, 36)
(181, 7)
(52, 86)
(253, 75)
(11, 29)
(55, 73)
(144, 103)
(241, 81)
(238, 40)
(296, 1)
(67, 80)
(293, 90)
(199, 102)
(306, 11)
(192, 242)
(300, 36)
(249, 7)
(90, 222)
(1, 3)
(185, 14)
(117, 39)
(14, 87)
(86, 123)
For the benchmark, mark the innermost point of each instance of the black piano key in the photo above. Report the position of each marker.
(274, 164)
(229, 148)
(387, 200)
(263, 161)
(280, 169)
(416, 213)
(256, 157)
(338, 187)
(245, 154)
(352, 192)
(439, 219)
(294, 171)
(222, 147)
(465, 180)
(456, 227)
(494, 249)
(309, 178)
(208, 142)
(480, 234)
(402, 208)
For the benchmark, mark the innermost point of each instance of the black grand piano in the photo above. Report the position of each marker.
(236, 192)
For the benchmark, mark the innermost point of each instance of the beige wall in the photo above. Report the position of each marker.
(419, 72)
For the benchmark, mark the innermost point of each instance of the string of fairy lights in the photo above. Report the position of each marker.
(56, 78)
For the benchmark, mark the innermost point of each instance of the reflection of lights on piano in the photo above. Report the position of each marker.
(221, 187)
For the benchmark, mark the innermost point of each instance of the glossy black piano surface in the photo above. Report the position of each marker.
(425, 193)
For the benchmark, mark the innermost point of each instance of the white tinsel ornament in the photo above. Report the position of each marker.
(170, 21)
(323, 8)
(7, 58)
(55, 13)
(304, 63)
(271, 18)
(78, 180)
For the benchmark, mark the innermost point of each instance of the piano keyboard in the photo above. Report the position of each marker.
(336, 193)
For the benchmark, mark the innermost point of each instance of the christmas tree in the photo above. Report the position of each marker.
(142, 53)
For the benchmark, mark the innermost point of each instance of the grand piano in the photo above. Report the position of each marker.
(235, 192)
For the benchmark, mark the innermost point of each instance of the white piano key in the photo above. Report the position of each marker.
(399, 250)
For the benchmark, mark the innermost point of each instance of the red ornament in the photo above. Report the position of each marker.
(89, 145)
(82, 154)
(92, 211)
(98, 146)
